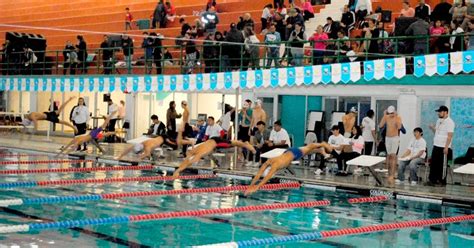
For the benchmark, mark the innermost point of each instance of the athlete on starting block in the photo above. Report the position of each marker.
(146, 147)
(93, 136)
(273, 165)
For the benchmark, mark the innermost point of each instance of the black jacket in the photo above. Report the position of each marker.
(160, 131)
(127, 46)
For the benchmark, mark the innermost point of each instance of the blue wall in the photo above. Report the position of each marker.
(292, 114)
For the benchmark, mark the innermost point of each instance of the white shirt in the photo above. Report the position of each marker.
(358, 144)
(213, 131)
(278, 137)
(443, 127)
(369, 126)
(266, 13)
(113, 107)
(80, 115)
(364, 5)
(225, 121)
(417, 145)
(336, 141)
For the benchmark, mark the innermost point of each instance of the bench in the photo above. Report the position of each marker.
(368, 162)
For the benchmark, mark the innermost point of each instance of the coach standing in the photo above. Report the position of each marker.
(443, 137)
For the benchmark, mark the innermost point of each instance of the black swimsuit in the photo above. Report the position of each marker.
(52, 116)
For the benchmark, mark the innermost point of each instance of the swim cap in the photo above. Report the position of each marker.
(100, 136)
(137, 148)
(26, 122)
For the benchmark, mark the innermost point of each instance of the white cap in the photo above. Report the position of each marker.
(258, 102)
(137, 148)
(353, 110)
(391, 109)
(26, 122)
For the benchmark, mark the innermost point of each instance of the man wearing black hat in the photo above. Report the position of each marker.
(443, 130)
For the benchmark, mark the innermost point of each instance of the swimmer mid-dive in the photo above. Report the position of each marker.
(206, 148)
(93, 136)
(146, 147)
(273, 165)
(52, 116)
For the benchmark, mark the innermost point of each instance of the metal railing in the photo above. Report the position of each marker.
(222, 56)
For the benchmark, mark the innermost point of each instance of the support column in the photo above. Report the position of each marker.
(131, 107)
(407, 109)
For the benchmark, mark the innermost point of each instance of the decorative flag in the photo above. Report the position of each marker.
(27, 84)
(442, 63)
(336, 73)
(135, 82)
(101, 84)
(299, 79)
(161, 83)
(53, 84)
(91, 84)
(213, 81)
(72, 83)
(19, 83)
(308, 75)
(227, 80)
(258, 78)
(12, 84)
(389, 70)
(456, 62)
(3, 84)
(199, 82)
(379, 69)
(274, 80)
(468, 65)
(317, 74)
(123, 84)
(147, 83)
(345, 72)
(173, 83)
(431, 66)
(369, 70)
(111, 84)
(36, 84)
(62, 84)
(243, 79)
(291, 76)
(419, 66)
(326, 74)
(400, 67)
(355, 71)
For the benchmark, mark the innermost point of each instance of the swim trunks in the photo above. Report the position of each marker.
(52, 117)
(297, 153)
(95, 133)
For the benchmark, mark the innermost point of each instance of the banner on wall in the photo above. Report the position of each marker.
(276, 77)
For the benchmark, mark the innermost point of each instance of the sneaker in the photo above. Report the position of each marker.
(398, 182)
(413, 183)
(249, 163)
(318, 172)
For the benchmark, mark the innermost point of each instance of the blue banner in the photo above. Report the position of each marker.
(467, 61)
(258, 78)
(308, 75)
(274, 78)
(71, 83)
(27, 84)
(81, 84)
(147, 83)
(243, 79)
(91, 84)
(173, 83)
(36, 84)
(101, 84)
(419, 66)
(389, 71)
(228, 80)
(54, 86)
(161, 83)
(369, 70)
(3, 82)
(442, 63)
(213, 78)
(11, 87)
(199, 81)
(111, 84)
(291, 76)
(185, 82)
(62, 84)
(345, 72)
(19, 83)
(123, 83)
(326, 74)
(135, 83)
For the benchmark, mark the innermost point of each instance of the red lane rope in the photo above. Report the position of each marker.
(266, 187)
(23, 155)
(44, 162)
(194, 213)
(368, 199)
(120, 180)
(395, 226)
(64, 170)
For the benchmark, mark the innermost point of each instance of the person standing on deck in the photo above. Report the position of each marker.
(171, 116)
(258, 115)
(349, 120)
(393, 124)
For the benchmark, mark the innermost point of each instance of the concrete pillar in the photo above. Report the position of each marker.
(131, 108)
(407, 109)
(33, 102)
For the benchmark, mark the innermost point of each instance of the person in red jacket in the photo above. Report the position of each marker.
(128, 19)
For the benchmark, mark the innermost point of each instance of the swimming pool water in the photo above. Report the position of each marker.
(217, 228)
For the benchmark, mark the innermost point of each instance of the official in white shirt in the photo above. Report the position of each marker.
(212, 130)
(368, 132)
(113, 120)
(80, 117)
(443, 138)
(413, 156)
(279, 137)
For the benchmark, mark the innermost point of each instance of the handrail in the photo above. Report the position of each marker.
(52, 61)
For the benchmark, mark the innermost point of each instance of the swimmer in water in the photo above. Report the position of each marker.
(273, 165)
(93, 136)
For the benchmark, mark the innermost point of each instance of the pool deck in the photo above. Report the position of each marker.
(452, 194)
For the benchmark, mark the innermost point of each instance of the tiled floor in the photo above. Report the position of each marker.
(305, 174)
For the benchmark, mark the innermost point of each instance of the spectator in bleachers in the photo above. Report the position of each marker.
(272, 40)
(197, 30)
(211, 4)
(443, 43)
(233, 51)
(331, 28)
(435, 31)
(70, 58)
(191, 54)
(343, 46)
(280, 8)
(458, 11)
(82, 53)
(293, 17)
(170, 12)
(184, 26)
(307, 9)
(210, 20)
(245, 21)
(128, 19)
(107, 55)
(319, 45)
(362, 9)
(347, 19)
(167, 57)
(371, 32)
(266, 16)
(159, 16)
(469, 14)
(407, 11)
(147, 46)
(210, 54)
(157, 52)
(423, 10)
(441, 12)
(297, 39)
(127, 47)
(252, 50)
(385, 45)
(419, 28)
(280, 26)
(456, 39)
(470, 44)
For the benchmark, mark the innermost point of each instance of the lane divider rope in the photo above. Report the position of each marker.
(342, 232)
(368, 199)
(21, 155)
(65, 170)
(44, 162)
(98, 197)
(31, 184)
(156, 216)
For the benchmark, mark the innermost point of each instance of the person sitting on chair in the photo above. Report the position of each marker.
(413, 156)
(157, 128)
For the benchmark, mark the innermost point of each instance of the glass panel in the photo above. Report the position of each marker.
(330, 105)
(429, 117)
(362, 104)
(268, 107)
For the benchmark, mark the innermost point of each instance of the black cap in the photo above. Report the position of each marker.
(442, 109)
